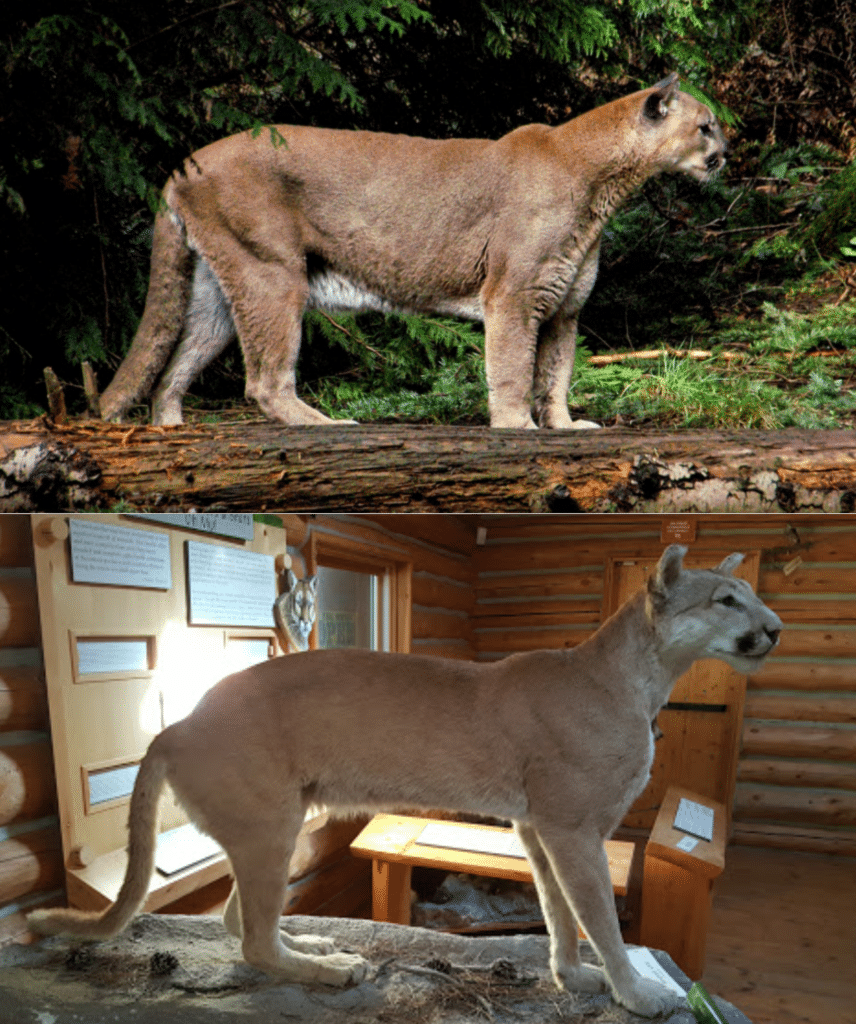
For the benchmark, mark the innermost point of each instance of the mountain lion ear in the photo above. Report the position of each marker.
(657, 103)
(668, 569)
(728, 565)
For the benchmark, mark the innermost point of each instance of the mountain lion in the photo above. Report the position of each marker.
(559, 741)
(255, 231)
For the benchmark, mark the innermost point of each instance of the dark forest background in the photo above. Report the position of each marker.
(100, 100)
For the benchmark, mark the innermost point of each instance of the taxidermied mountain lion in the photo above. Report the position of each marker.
(558, 741)
(506, 232)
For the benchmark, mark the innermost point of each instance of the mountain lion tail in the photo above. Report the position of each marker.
(160, 328)
(142, 826)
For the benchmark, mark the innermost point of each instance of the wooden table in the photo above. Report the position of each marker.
(390, 841)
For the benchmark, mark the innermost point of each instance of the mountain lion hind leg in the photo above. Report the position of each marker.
(304, 943)
(260, 856)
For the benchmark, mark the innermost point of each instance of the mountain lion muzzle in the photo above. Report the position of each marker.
(254, 233)
(558, 741)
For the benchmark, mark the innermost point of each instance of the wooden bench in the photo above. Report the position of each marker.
(390, 841)
(677, 890)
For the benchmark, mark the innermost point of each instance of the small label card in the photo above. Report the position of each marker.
(695, 819)
(646, 964)
(687, 844)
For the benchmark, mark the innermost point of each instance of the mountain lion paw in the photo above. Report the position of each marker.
(648, 998)
(308, 943)
(579, 978)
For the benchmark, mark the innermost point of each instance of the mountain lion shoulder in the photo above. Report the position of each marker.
(255, 232)
(558, 741)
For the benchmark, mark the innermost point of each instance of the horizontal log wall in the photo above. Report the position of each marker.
(539, 583)
(31, 869)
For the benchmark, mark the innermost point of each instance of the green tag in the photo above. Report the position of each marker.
(703, 1007)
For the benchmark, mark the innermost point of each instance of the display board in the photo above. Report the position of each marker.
(124, 656)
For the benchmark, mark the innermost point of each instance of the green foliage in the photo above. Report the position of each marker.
(101, 101)
(396, 367)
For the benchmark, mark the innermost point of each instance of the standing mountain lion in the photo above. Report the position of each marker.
(255, 231)
(558, 741)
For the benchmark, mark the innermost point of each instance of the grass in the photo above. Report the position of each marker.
(780, 368)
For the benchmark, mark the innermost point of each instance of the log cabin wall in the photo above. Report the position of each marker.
(31, 868)
(539, 582)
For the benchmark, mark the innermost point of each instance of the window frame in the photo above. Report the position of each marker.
(338, 552)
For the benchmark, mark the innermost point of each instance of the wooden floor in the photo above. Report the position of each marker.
(782, 942)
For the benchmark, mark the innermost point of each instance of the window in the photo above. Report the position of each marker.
(363, 594)
(353, 609)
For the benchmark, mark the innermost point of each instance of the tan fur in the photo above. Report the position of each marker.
(507, 232)
(560, 742)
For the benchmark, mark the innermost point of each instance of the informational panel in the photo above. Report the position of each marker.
(119, 556)
(228, 587)
(235, 524)
(112, 657)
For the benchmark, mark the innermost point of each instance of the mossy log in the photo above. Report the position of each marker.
(257, 465)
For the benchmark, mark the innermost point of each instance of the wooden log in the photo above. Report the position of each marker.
(90, 389)
(782, 675)
(553, 585)
(461, 650)
(802, 806)
(433, 591)
(27, 787)
(258, 465)
(19, 612)
(765, 740)
(829, 642)
(31, 863)
(56, 398)
(808, 580)
(793, 772)
(801, 708)
(16, 541)
(23, 700)
(840, 842)
(440, 625)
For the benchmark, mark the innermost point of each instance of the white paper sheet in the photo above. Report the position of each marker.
(695, 819)
(473, 840)
(119, 555)
(230, 587)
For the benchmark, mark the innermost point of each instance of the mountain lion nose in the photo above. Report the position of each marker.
(773, 634)
(712, 162)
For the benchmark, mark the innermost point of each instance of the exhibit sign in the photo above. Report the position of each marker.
(224, 524)
(229, 587)
(119, 555)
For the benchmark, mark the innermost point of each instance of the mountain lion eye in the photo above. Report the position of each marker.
(704, 129)
(728, 601)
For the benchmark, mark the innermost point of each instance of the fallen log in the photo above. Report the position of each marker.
(257, 465)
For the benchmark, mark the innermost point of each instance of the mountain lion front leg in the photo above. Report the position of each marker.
(510, 334)
(565, 964)
(580, 864)
(557, 344)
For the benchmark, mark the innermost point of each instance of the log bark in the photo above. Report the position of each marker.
(251, 466)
